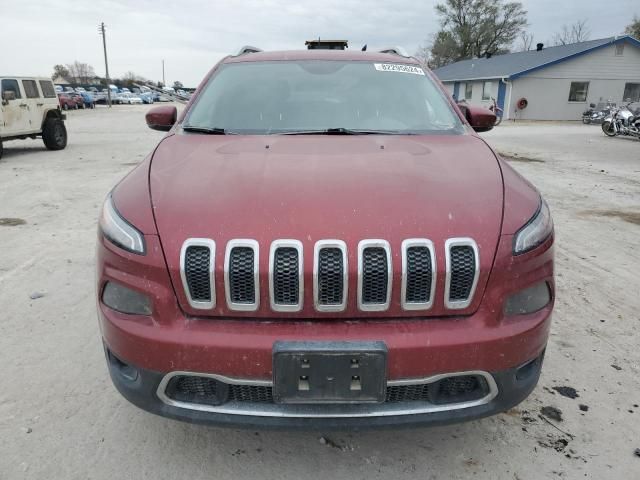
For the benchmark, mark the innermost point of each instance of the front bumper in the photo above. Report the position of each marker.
(145, 389)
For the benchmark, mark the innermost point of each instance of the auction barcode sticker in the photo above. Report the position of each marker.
(396, 67)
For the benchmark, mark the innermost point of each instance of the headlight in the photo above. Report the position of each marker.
(536, 231)
(118, 231)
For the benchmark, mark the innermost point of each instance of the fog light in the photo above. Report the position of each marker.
(528, 300)
(125, 300)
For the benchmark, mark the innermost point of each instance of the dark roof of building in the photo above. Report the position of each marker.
(513, 65)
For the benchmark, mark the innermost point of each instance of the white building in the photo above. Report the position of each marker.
(558, 83)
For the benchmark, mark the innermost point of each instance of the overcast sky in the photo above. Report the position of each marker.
(192, 35)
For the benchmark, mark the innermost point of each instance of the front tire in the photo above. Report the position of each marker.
(54, 134)
(498, 120)
(586, 120)
(1, 149)
(608, 129)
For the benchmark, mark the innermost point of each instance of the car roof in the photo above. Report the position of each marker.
(344, 55)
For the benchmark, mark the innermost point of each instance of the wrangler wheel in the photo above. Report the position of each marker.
(54, 134)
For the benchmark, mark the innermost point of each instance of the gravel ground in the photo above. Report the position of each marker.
(60, 417)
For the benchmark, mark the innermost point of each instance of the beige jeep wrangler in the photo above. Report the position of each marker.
(30, 109)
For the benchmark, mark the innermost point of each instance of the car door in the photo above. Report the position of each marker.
(15, 111)
(34, 101)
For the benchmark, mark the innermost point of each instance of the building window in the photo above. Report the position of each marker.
(468, 91)
(11, 86)
(578, 91)
(631, 92)
(487, 87)
(619, 49)
(30, 88)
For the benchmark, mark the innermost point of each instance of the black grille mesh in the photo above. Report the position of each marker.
(330, 276)
(250, 393)
(241, 275)
(463, 271)
(202, 390)
(196, 269)
(374, 275)
(286, 283)
(209, 391)
(419, 275)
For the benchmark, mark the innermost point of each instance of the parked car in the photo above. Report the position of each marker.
(88, 100)
(146, 97)
(323, 240)
(76, 97)
(66, 102)
(29, 108)
(130, 98)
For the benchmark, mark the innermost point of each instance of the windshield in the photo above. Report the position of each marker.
(316, 96)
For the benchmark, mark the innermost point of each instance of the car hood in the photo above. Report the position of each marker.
(311, 188)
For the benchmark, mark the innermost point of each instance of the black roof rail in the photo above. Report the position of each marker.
(396, 51)
(248, 49)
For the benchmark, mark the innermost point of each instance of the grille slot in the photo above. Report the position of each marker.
(462, 272)
(330, 277)
(418, 274)
(241, 275)
(286, 283)
(196, 269)
(374, 275)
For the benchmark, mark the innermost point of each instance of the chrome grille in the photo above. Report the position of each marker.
(196, 269)
(241, 275)
(462, 272)
(330, 280)
(285, 275)
(374, 275)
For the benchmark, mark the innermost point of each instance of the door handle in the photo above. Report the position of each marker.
(23, 105)
(39, 104)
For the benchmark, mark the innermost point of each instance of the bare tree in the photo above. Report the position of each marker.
(475, 28)
(526, 41)
(80, 72)
(575, 33)
(60, 71)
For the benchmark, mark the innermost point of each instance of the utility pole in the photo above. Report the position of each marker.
(106, 63)
(163, 82)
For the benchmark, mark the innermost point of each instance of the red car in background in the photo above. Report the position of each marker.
(321, 239)
(67, 102)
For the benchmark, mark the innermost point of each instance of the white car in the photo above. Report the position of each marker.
(29, 108)
(130, 99)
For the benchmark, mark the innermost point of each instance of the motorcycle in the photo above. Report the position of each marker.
(622, 121)
(497, 111)
(587, 114)
(596, 116)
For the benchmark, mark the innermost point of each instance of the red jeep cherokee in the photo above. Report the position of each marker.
(321, 239)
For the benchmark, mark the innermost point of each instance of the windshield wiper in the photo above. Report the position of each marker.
(340, 131)
(206, 130)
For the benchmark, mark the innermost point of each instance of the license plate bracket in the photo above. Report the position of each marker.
(329, 372)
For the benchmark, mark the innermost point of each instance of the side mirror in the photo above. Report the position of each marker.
(481, 119)
(162, 118)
